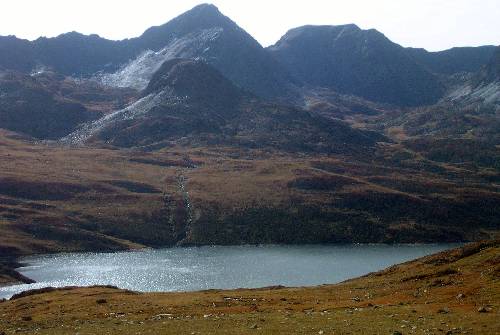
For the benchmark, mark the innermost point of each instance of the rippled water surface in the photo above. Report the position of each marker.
(188, 269)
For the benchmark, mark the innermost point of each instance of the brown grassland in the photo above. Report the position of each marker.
(56, 199)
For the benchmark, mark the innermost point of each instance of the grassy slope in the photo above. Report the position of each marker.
(438, 294)
(55, 199)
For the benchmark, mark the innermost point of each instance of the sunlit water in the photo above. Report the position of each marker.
(189, 269)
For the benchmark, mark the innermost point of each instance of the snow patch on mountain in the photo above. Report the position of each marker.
(486, 93)
(138, 72)
(136, 110)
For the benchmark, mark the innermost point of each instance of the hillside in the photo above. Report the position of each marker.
(55, 199)
(195, 153)
(201, 33)
(454, 60)
(188, 102)
(461, 128)
(47, 105)
(27, 106)
(345, 59)
(359, 62)
(454, 292)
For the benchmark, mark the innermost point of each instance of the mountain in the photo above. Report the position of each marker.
(345, 59)
(455, 60)
(197, 81)
(462, 127)
(16, 54)
(71, 54)
(27, 106)
(201, 33)
(491, 71)
(190, 102)
(47, 105)
(180, 145)
(483, 87)
(358, 62)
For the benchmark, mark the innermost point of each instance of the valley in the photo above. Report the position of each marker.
(193, 134)
(83, 199)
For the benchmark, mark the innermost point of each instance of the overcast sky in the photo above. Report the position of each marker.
(431, 24)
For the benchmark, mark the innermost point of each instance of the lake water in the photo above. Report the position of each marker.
(220, 267)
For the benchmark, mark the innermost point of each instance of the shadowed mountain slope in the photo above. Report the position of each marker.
(189, 102)
(47, 105)
(201, 33)
(358, 62)
(27, 106)
(454, 60)
(463, 127)
(345, 59)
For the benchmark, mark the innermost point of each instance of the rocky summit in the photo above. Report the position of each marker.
(357, 62)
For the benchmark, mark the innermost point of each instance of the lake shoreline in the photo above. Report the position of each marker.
(8, 272)
(324, 256)
(454, 291)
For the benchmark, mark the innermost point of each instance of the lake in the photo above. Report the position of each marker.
(216, 267)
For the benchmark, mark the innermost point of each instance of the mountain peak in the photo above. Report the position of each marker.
(204, 15)
(354, 61)
(316, 33)
(196, 80)
(318, 29)
(206, 8)
(349, 26)
(201, 17)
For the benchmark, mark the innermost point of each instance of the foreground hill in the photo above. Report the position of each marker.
(453, 292)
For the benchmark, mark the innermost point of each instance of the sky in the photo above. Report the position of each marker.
(431, 24)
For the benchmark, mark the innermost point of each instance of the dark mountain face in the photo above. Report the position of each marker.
(201, 33)
(194, 79)
(69, 54)
(199, 18)
(491, 71)
(49, 105)
(16, 54)
(355, 61)
(74, 54)
(27, 106)
(189, 102)
(341, 58)
(204, 33)
(454, 60)
(462, 127)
